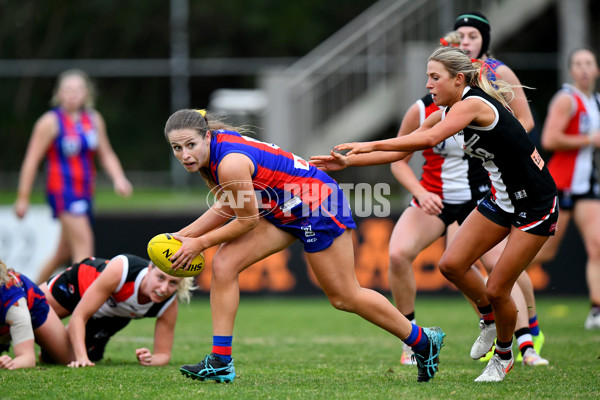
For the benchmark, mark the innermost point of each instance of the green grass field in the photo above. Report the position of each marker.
(304, 349)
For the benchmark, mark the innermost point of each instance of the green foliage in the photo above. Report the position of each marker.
(136, 109)
(304, 349)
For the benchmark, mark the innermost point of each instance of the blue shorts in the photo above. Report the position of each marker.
(39, 309)
(68, 203)
(539, 219)
(317, 229)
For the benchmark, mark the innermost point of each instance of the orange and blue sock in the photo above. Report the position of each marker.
(417, 339)
(534, 326)
(222, 347)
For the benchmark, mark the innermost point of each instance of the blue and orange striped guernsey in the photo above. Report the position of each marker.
(19, 286)
(279, 175)
(70, 169)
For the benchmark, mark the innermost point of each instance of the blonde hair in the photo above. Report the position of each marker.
(4, 273)
(184, 289)
(90, 99)
(457, 62)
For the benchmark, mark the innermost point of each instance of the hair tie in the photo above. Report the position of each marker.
(201, 112)
(445, 43)
(486, 66)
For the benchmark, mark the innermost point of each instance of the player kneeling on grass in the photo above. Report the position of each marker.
(268, 199)
(102, 296)
(24, 317)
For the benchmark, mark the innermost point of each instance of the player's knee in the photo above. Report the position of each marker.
(341, 302)
(495, 293)
(449, 269)
(222, 271)
(592, 247)
(399, 263)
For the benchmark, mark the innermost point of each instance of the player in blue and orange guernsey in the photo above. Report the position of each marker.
(69, 137)
(25, 318)
(267, 199)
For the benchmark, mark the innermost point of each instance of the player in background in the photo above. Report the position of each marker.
(102, 296)
(572, 132)
(451, 184)
(267, 199)
(68, 137)
(25, 318)
(521, 205)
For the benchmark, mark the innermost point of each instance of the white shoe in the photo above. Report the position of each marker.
(485, 341)
(496, 369)
(406, 358)
(533, 359)
(592, 321)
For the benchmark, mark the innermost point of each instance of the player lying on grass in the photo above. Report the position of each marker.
(25, 317)
(103, 296)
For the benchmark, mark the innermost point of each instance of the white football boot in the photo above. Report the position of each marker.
(496, 369)
(485, 341)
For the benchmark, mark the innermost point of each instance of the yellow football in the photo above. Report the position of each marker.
(160, 249)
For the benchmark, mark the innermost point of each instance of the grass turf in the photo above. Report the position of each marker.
(302, 348)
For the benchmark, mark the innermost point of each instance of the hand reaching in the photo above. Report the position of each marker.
(356, 147)
(334, 162)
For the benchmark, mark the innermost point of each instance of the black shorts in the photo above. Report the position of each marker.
(65, 290)
(567, 200)
(452, 212)
(539, 219)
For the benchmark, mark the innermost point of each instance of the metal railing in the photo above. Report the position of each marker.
(364, 55)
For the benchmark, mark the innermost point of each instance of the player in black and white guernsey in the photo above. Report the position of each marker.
(522, 202)
(104, 295)
(519, 177)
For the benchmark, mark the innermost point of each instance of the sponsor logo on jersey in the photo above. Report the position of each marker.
(521, 194)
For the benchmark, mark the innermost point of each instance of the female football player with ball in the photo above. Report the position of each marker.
(269, 198)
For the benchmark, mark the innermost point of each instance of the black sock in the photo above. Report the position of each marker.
(504, 349)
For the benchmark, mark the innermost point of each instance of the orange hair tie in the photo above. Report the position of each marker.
(486, 66)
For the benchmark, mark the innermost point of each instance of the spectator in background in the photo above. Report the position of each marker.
(572, 132)
(25, 317)
(69, 136)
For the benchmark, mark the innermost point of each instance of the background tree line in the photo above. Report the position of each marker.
(136, 109)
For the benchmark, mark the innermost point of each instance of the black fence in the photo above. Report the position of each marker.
(287, 272)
